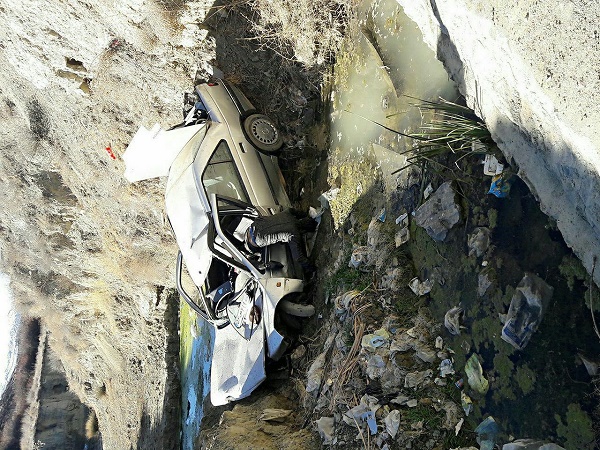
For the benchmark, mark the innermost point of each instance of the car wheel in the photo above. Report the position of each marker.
(296, 309)
(262, 133)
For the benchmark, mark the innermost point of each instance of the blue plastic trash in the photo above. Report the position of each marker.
(500, 185)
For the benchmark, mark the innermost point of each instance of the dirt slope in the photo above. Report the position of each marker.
(84, 249)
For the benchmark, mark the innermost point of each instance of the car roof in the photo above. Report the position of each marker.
(188, 212)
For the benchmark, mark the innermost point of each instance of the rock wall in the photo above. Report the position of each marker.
(61, 418)
(84, 249)
(530, 70)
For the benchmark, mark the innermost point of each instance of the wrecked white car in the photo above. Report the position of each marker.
(222, 172)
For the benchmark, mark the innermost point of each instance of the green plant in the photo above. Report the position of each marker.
(571, 268)
(429, 416)
(578, 430)
(349, 278)
(525, 378)
(451, 128)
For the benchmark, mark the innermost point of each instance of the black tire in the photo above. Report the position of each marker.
(262, 133)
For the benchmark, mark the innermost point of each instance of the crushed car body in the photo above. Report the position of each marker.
(222, 175)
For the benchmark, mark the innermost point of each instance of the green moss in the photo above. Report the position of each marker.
(468, 264)
(525, 378)
(577, 432)
(349, 278)
(503, 391)
(431, 418)
(355, 178)
(508, 295)
(408, 305)
(187, 320)
(571, 268)
(492, 218)
(503, 366)
(485, 330)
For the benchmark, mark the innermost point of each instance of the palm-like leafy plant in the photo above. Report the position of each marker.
(451, 128)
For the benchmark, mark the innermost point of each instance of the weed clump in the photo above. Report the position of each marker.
(578, 429)
(306, 31)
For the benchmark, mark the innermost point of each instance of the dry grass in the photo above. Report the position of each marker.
(303, 30)
(31, 414)
(91, 425)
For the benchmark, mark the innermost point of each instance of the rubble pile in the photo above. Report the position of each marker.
(385, 385)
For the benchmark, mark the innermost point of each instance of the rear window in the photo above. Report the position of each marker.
(221, 176)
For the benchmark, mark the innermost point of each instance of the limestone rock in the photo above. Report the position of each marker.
(541, 116)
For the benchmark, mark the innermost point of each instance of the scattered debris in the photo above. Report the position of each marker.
(479, 241)
(402, 220)
(362, 413)
(402, 237)
(359, 257)
(487, 431)
(382, 215)
(414, 379)
(315, 374)
(440, 213)
(452, 414)
(590, 366)
(427, 191)
(110, 152)
(298, 353)
(500, 186)
(491, 166)
(373, 341)
(420, 288)
(446, 368)
(326, 197)
(525, 311)
(425, 353)
(392, 422)
(459, 426)
(452, 320)
(439, 342)
(392, 278)
(483, 283)
(342, 303)
(400, 399)
(531, 444)
(466, 403)
(325, 427)
(475, 377)
(115, 44)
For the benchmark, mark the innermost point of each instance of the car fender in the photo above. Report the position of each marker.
(274, 290)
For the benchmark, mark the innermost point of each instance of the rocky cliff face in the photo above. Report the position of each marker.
(61, 417)
(84, 249)
(531, 72)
